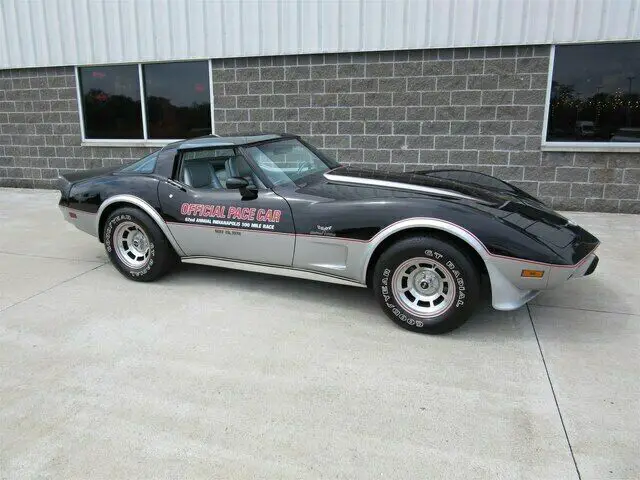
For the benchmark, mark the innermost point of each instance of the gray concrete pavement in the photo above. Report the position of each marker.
(211, 373)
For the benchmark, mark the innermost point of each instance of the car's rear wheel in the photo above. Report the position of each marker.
(426, 285)
(136, 246)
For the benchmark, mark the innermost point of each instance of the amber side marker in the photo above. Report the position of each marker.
(72, 215)
(532, 273)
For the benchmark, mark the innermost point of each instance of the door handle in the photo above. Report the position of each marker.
(175, 184)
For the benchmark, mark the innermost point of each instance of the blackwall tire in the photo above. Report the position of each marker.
(426, 285)
(136, 246)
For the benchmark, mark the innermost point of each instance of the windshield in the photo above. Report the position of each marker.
(288, 162)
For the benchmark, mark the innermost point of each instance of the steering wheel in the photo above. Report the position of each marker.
(304, 166)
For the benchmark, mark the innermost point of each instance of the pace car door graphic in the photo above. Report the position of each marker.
(220, 224)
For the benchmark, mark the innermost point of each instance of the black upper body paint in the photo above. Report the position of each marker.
(505, 219)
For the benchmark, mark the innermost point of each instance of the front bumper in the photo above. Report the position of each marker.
(510, 290)
(592, 267)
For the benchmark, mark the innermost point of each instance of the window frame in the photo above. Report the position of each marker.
(551, 146)
(145, 141)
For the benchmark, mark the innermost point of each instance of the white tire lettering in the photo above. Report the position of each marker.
(458, 275)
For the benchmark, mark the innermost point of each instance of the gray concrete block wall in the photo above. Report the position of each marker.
(479, 109)
(40, 130)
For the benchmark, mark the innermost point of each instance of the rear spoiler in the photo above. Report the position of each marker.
(64, 185)
(68, 179)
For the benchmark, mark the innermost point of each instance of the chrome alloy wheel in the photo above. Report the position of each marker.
(424, 287)
(131, 244)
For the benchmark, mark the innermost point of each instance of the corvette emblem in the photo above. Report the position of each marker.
(323, 230)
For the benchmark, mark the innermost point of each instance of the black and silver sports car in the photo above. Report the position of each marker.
(272, 203)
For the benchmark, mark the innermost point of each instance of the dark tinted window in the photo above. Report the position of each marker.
(177, 99)
(595, 93)
(111, 102)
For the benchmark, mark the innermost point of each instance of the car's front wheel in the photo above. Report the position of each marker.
(426, 284)
(136, 246)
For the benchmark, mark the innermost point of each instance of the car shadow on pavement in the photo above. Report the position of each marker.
(350, 301)
(308, 291)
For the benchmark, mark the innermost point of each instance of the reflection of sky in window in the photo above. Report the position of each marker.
(183, 83)
(604, 66)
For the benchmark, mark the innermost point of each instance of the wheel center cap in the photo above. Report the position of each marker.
(139, 242)
(426, 283)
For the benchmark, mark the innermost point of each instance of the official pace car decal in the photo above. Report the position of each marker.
(231, 216)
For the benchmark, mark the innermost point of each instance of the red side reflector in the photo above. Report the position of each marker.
(72, 215)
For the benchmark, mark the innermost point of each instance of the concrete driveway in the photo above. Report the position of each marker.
(211, 373)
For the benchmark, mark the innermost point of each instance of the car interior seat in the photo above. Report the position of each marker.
(201, 174)
(237, 166)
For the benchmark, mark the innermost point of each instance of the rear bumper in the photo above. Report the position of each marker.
(81, 220)
(510, 290)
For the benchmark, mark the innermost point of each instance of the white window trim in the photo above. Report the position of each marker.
(128, 142)
(213, 123)
(547, 146)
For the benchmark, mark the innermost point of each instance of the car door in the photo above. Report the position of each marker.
(209, 220)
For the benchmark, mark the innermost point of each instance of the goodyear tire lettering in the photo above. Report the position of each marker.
(404, 317)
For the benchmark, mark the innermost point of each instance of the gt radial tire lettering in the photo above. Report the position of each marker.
(152, 252)
(401, 315)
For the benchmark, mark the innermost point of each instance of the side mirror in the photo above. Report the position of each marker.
(236, 183)
(247, 191)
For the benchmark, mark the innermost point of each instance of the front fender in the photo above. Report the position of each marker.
(509, 290)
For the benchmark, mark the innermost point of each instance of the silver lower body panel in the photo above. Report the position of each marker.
(271, 270)
(510, 290)
(338, 260)
(244, 245)
(81, 220)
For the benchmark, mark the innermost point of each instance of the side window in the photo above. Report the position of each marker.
(144, 165)
(203, 169)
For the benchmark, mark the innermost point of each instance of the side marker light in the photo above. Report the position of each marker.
(532, 273)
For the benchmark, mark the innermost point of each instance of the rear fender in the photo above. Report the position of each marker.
(142, 205)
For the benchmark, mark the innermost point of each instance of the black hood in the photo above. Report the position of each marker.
(504, 199)
(484, 192)
(475, 185)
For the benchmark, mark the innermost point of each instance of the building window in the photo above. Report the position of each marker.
(177, 98)
(595, 94)
(160, 101)
(111, 102)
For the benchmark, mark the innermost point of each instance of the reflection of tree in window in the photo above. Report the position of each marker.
(177, 100)
(594, 93)
(111, 102)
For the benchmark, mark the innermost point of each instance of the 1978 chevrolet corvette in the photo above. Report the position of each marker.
(273, 203)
